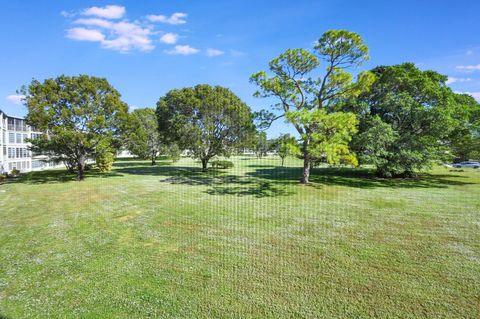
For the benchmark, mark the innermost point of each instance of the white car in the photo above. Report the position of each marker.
(466, 164)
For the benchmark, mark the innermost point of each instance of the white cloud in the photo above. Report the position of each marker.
(183, 50)
(452, 79)
(468, 68)
(129, 36)
(95, 22)
(123, 36)
(469, 52)
(169, 38)
(82, 34)
(176, 18)
(108, 12)
(214, 52)
(16, 98)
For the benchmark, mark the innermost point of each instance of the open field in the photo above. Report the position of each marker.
(249, 242)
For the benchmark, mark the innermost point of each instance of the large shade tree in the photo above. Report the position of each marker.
(80, 116)
(409, 119)
(464, 139)
(142, 137)
(307, 97)
(208, 121)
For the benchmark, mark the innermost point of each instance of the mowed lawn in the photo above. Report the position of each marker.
(171, 242)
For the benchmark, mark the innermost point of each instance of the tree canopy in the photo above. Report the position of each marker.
(80, 116)
(209, 121)
(408, 119)
(142, 137)
(285, 145)
(309, 101)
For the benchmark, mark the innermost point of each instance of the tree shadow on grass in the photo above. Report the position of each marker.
(137, 162)
(220, 182)
(357, 178)
(58, 176)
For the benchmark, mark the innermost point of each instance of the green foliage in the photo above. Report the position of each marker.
(104, 161)
(342, 48)
(302, 94)
(262, 145)
(286, 145)
(76, 115)
(209, 121)
(329, 141)
(464, 139)
(222, 164)
(142, 137)
(15, 172)
(407, 120)
(172, 151)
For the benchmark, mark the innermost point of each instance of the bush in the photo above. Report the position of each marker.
(105, 161)
(15, 172)
(3, 178)
(222, 164)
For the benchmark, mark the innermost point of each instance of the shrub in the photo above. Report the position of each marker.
(222, 164)
(3, 178)
(105, 161)
(15, 172)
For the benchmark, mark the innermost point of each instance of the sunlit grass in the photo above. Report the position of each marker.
(170, 241)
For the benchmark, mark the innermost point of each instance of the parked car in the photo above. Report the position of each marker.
(466, 164)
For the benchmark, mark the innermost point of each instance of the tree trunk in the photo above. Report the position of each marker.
(283, 158)
(204, 164)
(306, 163)
(81, 167)
(154, 156)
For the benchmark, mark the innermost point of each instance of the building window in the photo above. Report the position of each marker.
(11, 125)
(11, 137)
(20, 125)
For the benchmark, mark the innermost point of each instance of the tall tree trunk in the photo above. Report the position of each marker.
(81, 167)
(306, 163)
(283, 158)
(204, 164)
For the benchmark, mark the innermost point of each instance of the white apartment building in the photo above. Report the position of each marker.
(14, 149)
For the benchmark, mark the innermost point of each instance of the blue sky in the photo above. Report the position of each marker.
(145, 48)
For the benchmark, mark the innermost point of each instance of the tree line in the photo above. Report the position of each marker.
(398, 118)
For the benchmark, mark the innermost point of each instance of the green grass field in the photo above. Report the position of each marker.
(248, 242)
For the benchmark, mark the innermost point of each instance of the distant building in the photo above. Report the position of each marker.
(14, 148)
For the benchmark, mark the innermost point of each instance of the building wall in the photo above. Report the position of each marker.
(14, 150)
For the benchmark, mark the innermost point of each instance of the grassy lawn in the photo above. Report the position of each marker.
(250, 242)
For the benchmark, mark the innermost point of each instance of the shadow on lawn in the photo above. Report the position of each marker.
(58, 176)
(358, 178)
(220, 182)
(263, 181)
